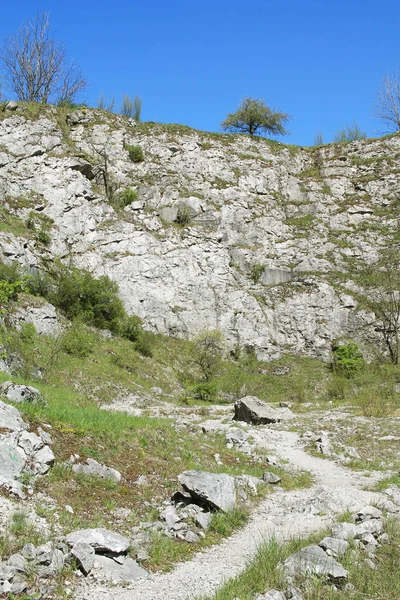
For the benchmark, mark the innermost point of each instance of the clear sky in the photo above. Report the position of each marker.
(192, 61)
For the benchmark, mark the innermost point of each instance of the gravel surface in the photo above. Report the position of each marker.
(282, 515)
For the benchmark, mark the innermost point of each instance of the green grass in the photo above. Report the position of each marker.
(165, 552)
(263, 573)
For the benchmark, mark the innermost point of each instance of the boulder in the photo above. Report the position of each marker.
(368, 512)
(312, 560)
(344, 531)
(92, 467)
(272, 595)
(10, 418)
(16, 392)
(84, 555)
(127, 570)
(334, 547)
(269, 477)
(252, 410)
(102, 540)
(216, 490)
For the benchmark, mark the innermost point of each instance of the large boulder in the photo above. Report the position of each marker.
(16, 392)
(312, 560)
(216, 490)
(92, 467)
(125, 570)
(102, 540)
(252, 410)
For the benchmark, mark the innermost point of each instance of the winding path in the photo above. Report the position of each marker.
(281, 515)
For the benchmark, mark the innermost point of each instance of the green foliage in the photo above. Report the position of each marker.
(208, 351)
(205, 391)
(77, 341)
(94, 301)
(225, 523)
(131, 328)
(350, 133)
(136, 153)
(255, 116)
(125, 198)
(256, 272)
(347, 359)
(9, 291)
(184, 215)
(144, 344)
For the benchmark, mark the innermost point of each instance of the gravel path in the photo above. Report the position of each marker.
(282, 515)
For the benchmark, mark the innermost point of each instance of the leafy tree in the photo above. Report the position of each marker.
(36, 67)
(255, 116)
(208, 350)
(350, 133)
(382, 281)
(387, 107)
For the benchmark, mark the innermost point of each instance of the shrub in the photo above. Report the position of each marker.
(256, 272)
(347, 359)
(124, 198)
(136, 153)
(208, 350)
(77, 341)
(131, 328)
(39, 283)
(9, 291)
(144, 344)
(184, 215)
(205, 391)
(94, 301)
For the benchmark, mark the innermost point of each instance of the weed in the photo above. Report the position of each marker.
(136, 153)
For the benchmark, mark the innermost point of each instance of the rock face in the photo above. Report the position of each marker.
(252, 410)
(20, 450)
(213, 489)
(272, 223)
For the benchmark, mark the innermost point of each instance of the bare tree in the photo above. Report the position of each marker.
(105, 104)
(387, 107)
(36, 67)
(131, 108)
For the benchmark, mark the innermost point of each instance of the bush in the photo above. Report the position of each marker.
(144, 344)
(205, 391)
(94, 301)
(256, 273)
(77, 341)
(184, 215)
(347, 359)
(131, 328)
(136, 153)
(39, 283)
(124, 198)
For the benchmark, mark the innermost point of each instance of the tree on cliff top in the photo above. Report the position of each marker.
(254, 115)
(35, 65)
(387, 107)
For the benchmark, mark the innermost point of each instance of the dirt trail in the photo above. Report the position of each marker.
(281, 515)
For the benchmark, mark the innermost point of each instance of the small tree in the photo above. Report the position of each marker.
(208, 350)
(350, 133)
(131, 108)
(382, 283)
(105, 104)
(387, 106)
(36, 67)
(255, 116)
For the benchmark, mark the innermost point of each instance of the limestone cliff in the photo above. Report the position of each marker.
(265, 228)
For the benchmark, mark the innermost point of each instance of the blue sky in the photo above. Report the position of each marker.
(193, 61)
